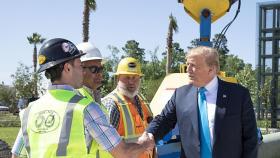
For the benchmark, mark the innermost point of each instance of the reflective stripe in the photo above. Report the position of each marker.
(132, 139)
(66, 126)
(127, 116)
(85, 93)
(146, 104)
(24, 129)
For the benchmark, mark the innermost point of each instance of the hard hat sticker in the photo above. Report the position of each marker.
(41, 59)
(132, 67)
(68, 47)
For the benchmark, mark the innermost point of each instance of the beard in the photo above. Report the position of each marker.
(123, 90)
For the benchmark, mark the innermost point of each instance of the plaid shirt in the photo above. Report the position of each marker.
(96, 125)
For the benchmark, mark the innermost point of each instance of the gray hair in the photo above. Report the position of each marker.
(210, 55)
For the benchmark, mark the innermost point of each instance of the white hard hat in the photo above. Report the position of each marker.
(92, 53)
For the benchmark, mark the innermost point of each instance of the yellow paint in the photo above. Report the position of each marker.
(222, 76)
(217, 7)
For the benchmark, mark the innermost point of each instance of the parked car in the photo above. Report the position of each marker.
(4, 108)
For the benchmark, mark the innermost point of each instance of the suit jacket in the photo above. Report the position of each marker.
(235, 131)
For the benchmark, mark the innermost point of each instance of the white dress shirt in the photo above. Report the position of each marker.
(211, 99)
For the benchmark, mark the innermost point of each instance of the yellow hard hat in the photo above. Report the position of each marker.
(129, 66)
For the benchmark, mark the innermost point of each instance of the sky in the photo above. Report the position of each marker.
(113, 23)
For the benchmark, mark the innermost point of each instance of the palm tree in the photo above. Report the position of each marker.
(35, 39)
(89, 5)
(172, 27)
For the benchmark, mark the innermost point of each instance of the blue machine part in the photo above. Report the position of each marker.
(260, 137)
(170, 145)
(205, 28)
(169, 150)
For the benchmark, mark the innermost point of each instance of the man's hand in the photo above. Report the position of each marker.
(145, 143)
(147, 140)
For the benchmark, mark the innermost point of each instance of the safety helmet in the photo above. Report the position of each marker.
(129, 66)
(92, 53)
(56, 51)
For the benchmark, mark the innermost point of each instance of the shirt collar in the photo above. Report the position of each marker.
(88, 90)
(63, 87)
(212, 85)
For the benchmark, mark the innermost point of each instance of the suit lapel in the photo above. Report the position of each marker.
(222, 101)
(193, 109)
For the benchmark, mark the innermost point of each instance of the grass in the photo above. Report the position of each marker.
(9, 134)
(9, 127)
(9, 120)
(7, 116)
(262, 123)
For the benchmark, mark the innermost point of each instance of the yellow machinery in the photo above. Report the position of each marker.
(217, 8)
(206, 12)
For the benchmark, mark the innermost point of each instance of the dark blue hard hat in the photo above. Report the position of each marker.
(56, 51)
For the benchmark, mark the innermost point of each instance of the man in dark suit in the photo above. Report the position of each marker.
(230, 120)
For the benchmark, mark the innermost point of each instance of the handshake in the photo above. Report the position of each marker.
(135, 148)
(147, 141)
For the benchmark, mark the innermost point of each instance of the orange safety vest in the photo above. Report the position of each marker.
(131, 125)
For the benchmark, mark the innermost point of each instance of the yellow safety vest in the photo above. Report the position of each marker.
(95, 148)
(53, 126)
(87, 94)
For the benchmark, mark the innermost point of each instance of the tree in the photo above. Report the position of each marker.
(153, 69)
(178, 57)
(265, 95)
(24, 83)
(35, 39)
(149, 87)
(223, 49)
(154, 72)
(108, 82)
(110, 66)
(8, 95)
(247, 78)
(132, 49)
(114, 58)
(194, 44)
(233, 65)
(171, 27)
(89, 5)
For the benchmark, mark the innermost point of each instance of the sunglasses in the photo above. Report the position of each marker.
(94, 69)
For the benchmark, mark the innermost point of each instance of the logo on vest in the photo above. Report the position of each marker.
(45, 121)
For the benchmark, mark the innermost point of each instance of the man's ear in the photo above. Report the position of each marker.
(66, 67)
(213, 70)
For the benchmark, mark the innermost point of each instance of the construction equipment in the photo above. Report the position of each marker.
(206, 12)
